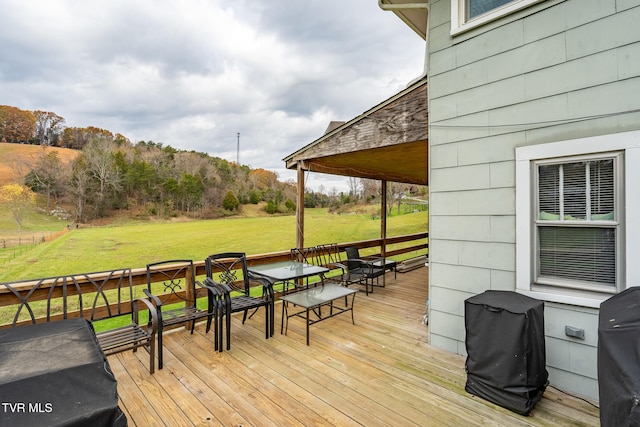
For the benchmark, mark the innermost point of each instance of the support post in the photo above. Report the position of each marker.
(300, 208)
(383, 219)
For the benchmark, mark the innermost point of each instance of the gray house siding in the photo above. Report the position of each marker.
(555, 71)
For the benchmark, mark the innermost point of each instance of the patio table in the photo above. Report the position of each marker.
(313, 299)
(55, 374)
(287, 272)
(388, 264)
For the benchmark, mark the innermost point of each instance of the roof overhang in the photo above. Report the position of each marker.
(414, 13)
(387, 142)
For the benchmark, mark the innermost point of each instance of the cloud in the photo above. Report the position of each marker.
(195, 73)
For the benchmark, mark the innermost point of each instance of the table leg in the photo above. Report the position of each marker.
(353, 297)
(307, 326)
(285, 315)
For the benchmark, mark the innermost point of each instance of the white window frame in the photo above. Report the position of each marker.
(460, 24)
(628, 238)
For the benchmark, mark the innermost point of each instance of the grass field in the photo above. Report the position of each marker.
(135, 245)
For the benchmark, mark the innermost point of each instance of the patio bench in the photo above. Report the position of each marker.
(104, 298)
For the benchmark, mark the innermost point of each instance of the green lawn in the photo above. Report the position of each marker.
(101, 248)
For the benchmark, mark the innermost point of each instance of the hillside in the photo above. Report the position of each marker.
(16, 160)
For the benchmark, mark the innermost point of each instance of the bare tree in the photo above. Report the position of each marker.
(79, 187)
(395, 194)
(48, 175)
(354, 186)
(49, 127)
(370, 189)
(103, 169)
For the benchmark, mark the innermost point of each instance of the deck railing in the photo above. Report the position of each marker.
(398, 247)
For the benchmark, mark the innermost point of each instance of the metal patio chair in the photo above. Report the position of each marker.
(176, 301)
(363, 271)
(228, 272)
(304, 255)
(328, 255)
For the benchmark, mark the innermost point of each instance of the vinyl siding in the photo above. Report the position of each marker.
(558, 70)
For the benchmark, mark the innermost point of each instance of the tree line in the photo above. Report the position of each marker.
(151, 179)
(112, 174)
(46, 128)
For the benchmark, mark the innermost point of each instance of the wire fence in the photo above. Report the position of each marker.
(13, 247)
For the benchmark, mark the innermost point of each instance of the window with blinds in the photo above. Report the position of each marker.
(577, 225)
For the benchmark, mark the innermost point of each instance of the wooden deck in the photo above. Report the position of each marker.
(379, 372)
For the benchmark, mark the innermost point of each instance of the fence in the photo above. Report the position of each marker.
(10, 248)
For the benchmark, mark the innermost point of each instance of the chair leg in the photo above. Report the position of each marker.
(215, 333)
(219, 328)
(152, 356)
(228, 318)
(222, 325)
(160, 361)
(272, 308)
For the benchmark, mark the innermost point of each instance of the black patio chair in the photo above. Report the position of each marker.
(304, 255)
(328, 255)
(228, 272)
(176, 300)
(363, 271)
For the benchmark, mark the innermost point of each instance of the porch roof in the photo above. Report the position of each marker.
(387, 142)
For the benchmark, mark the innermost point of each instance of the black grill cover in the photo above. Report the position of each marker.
(55, 374)
(619, 359)
(506, 349)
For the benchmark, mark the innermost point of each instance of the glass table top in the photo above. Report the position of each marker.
(319, 295)
(287, 270)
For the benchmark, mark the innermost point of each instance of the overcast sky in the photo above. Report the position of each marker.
(193, 74)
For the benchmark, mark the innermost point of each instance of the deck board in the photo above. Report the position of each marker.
(380, 371)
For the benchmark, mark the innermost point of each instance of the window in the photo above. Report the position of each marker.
(467, 14)
(476, 8)
(576, 238)
(577, 225)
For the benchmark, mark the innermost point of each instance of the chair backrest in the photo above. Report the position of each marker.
(327, 254)
(176, 278)
(305, 255)
(352, 254)
(230, 269)
(93, 296)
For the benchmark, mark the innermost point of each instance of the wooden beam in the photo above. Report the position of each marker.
(383, 219)
(405, 162)
(300, 208)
